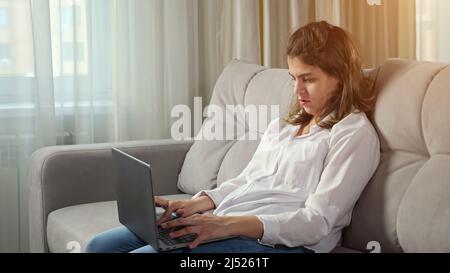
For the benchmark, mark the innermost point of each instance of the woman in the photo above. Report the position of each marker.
(298, 191)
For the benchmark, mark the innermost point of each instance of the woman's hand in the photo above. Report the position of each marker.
(208, 226)
(183, 208)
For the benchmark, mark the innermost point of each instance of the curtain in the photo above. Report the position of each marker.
(433, 40)
(384, 31)
(227, 30)
(87, 71)
(257, 30)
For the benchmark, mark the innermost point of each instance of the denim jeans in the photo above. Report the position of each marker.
(119, 240)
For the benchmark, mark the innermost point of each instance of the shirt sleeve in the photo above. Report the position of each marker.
(219, 193)
(350, 163)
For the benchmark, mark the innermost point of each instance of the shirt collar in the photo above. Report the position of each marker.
(294, 129)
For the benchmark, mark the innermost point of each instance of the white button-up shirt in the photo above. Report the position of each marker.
(303, 189)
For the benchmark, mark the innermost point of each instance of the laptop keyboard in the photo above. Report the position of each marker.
(164, 236)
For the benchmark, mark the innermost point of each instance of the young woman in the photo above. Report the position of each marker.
(298, 191)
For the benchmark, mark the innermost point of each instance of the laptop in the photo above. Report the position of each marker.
(136, 207)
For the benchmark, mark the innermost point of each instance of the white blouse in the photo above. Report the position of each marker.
(303, 189)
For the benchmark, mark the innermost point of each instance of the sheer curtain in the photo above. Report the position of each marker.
(227, 30)
(433, 41)
(84, 71)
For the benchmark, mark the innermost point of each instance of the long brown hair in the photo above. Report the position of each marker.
(333, 50)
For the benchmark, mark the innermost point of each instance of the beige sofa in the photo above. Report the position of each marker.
(404, 208)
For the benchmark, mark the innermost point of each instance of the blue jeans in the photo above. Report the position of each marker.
(119, 240)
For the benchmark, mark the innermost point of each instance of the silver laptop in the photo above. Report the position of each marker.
(136, 207)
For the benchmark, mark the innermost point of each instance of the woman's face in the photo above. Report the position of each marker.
(313, 87)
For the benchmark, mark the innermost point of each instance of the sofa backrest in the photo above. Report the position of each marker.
(406, 205)
(268, 88)
(203, 162)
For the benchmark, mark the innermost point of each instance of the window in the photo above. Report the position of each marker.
(4, 17)
(5, 55)
(16, 39)
(73, 52)
(68, 14)
(432, 38)
(70, 49)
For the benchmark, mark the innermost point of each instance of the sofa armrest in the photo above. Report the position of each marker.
(62, 176)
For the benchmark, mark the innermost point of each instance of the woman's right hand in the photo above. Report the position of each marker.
(183, 208)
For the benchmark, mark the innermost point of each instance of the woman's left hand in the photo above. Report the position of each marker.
(206, 226)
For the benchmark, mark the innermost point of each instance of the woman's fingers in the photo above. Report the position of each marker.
(165, 217)
(200, 238)
(184, 231)
(180, 213)
(161, 202)
(162, 219)
(195, 224)
(175, 223)
(191, 230)
(168, 213)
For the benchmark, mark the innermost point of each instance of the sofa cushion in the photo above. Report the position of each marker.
(405, 206)
(270, 94)
(237, 158)
(423, 223)
(72, 227)
(202, 162)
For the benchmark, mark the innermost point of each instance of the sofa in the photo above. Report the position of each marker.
(404, 208)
